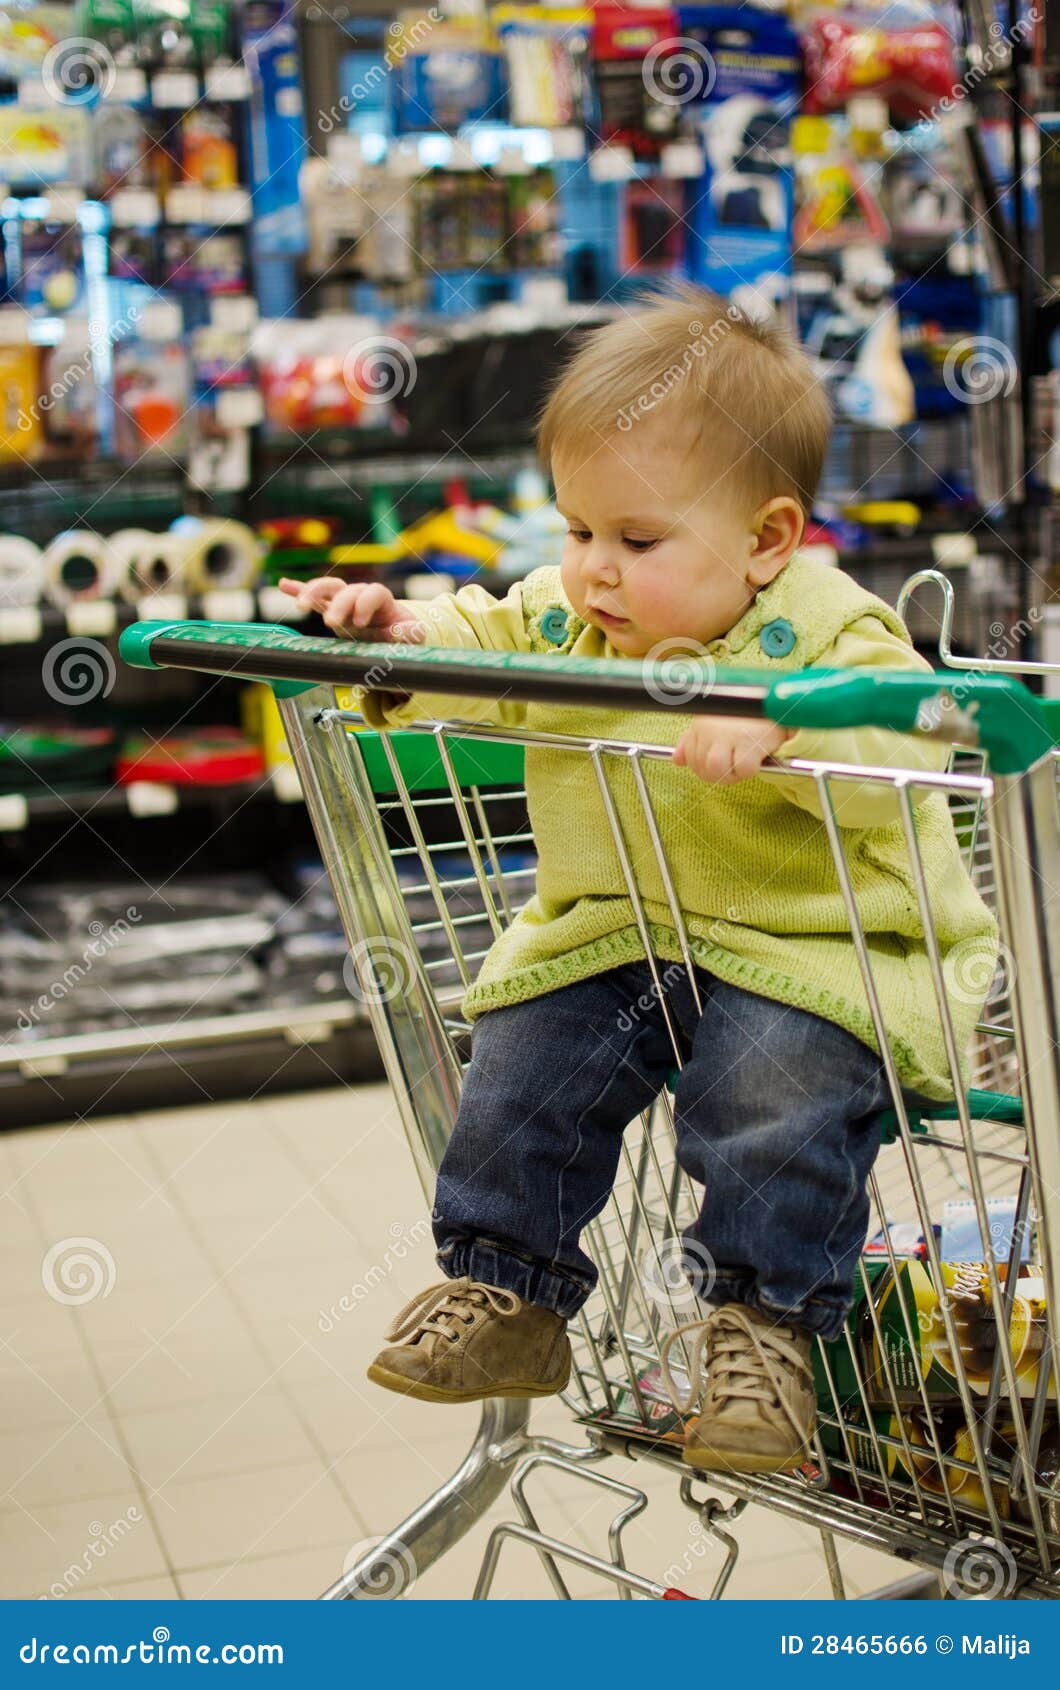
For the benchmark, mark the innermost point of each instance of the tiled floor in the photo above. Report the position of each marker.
(183, 1409)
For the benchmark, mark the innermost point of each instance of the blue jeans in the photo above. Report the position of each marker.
(775, 1113)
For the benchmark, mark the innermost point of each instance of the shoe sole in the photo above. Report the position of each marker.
(729, 1461)
(435, 1393)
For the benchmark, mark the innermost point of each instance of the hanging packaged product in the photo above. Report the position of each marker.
(21, 428)
(208, 148)
(483, 213)
(132, 256)
(70, 400)
(160, 29)
(220, 357)
(448, 75)
(150, 398)
(122, 142)
(461, 220)
(546, 52)
(275, 125)
(27, 35)
(925, 197)
(329, 372)
(41, 147)
(741, 218)
(202, 261)
(651, 234)
(52, 267)
(210, 27)
(534, 240)
(386, 251)
(337, 218)
(836, 206)
(898, 52)
(635, 106)
(110, 22)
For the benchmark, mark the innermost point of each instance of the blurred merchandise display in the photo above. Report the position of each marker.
(281, 290)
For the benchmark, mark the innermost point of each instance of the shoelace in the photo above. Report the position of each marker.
(445, 1308)
(736, 1369)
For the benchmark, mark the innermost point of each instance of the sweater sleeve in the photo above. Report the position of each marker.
(474, 620)
(865, 644)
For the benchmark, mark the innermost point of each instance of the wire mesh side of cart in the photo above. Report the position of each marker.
(938, 1419)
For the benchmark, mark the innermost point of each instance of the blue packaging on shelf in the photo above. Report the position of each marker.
(740, 221)
(277, 130)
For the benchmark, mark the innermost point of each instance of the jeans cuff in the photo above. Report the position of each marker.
(819, 1317)
(534, 1282)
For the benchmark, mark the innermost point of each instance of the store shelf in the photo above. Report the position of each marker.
(298, 1024)
(186, 1062)
(98, 618)
(140, 800)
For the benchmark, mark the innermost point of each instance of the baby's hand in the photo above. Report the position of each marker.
(358, 610)
(727, 749)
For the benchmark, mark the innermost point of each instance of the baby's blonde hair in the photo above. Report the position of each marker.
(739, 391)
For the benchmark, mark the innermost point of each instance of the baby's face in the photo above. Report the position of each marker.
(653, 552)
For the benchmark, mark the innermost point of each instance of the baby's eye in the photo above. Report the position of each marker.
(640, 545)
(580, 534)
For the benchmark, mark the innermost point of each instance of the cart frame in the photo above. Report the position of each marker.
(416, 1040)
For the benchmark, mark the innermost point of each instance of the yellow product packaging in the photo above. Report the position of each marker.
(21, 428)
(262, 722)
(916, 1348)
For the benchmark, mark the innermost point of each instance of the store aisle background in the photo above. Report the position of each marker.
(203, 1428)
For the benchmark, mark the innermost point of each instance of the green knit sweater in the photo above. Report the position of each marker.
(751, 863)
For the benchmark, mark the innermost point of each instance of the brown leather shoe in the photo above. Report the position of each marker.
(758, 1409)
(462, 1340)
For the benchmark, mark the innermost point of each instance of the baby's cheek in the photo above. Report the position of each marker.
(660, 612)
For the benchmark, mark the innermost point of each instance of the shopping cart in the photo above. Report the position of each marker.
(938, 1432)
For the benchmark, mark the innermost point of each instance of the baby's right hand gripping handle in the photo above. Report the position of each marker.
(993, 712)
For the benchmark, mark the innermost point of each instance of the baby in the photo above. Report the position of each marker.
(685, 442)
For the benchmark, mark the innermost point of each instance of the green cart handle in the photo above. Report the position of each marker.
(995, 712)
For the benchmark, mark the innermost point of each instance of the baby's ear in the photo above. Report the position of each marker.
(776, 531)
